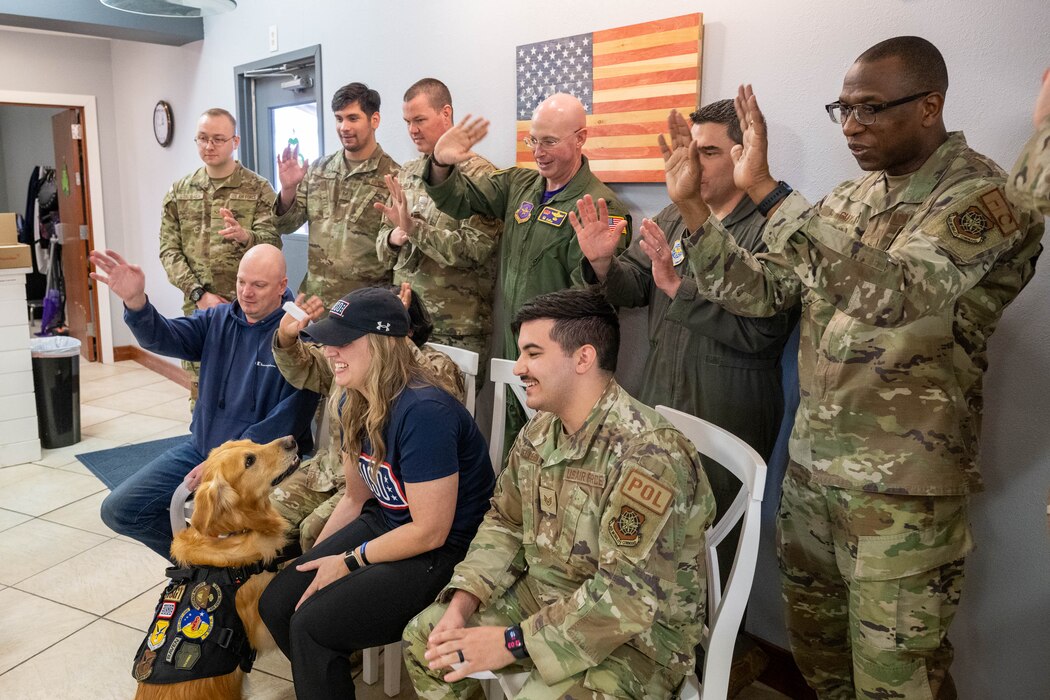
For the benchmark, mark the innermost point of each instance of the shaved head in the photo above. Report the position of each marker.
(561, 121)
(261, 281)
(563, 108)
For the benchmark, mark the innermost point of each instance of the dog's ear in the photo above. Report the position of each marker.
(215, 503)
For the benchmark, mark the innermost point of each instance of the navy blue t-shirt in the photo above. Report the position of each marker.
(430, 435)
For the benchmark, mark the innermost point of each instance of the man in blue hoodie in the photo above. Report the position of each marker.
(242, 393)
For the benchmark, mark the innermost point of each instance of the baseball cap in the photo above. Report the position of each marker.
(362, 311)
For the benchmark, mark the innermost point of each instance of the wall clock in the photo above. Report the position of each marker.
(163, 123)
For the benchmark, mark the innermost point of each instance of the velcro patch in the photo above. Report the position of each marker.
(339, 308)
(647, 491)
(587, 478)
(626, 528)
(1000, 211)
(552, 216)
(971, 225)
(614, 220)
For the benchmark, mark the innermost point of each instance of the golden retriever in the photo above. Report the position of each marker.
(233, 525)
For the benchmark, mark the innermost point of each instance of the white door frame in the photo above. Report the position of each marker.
(94, 168)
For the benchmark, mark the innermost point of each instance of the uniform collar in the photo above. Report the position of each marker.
(574, 190)
(200, 178)
(743, 209)
(873, 188)
(339, 168)
(554, 446)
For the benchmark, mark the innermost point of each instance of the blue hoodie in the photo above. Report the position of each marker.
(242, 393)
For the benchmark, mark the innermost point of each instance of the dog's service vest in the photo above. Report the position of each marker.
(196, 631)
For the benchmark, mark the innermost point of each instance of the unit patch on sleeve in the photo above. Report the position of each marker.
(1000, 211)
(971, 225)
(626, 528)
(613, 220)
(552, 216)
(647, 491)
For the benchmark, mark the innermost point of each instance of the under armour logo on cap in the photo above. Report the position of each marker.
(380, 326)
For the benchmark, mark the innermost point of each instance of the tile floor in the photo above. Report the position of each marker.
(75, 598)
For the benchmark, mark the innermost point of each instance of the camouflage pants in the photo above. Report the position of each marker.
(871, 583)
(626, 673)
(305, 510)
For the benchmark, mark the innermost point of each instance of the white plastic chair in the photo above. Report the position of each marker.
(180, 509)
(501, 372)
(725, 609)
(467, 361)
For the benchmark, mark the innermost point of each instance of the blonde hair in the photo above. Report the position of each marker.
(392, 367)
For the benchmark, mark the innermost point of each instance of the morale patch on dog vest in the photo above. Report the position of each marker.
(642, 488)
(187, 656)
(144, 665)
(206, 596)
(156, 637)
(195, 624)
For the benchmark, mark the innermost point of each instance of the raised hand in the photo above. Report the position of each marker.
(405, 294)
(233, 230)
(682, 169)
(397, 212)
(290, 171)
(654, 244)
(1042, 103)
(750, 160)
(290, 327)
(597, 239)
(126, 280)
(456, 144)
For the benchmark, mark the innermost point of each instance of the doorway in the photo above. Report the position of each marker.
(44, 153)
(278, 106)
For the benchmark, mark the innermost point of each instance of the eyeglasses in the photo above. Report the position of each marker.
(864, 113)
(547, 141)
(212, 140)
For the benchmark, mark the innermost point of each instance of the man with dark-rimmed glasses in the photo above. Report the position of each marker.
(903, 275)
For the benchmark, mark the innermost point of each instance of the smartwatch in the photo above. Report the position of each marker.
(351, 560)
(196, 293)
(514, 639)
(781, 191)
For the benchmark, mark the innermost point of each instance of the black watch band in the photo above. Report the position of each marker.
(773, 198)
(196, 293)
(514, 639)
(351, 560)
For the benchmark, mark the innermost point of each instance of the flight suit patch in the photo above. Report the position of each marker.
(677, 253)
(971, 225)
(647, 491)
(587, 478)
(552, 216)
(614, 220)
(626, 528)
(524, 212)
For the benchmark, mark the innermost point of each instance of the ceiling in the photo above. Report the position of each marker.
(92, 18)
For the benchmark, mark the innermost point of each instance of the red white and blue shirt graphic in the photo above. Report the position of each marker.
(385, 485)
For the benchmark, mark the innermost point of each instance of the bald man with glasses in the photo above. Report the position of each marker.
(210, 218)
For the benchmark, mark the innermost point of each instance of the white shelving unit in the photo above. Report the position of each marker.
(19, 438)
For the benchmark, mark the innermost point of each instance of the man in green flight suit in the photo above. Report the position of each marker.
(539, 253)
(210, 218)
(903, 275)
(586, 571)
(337, 196)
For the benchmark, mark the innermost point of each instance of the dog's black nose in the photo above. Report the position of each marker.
(288, 444)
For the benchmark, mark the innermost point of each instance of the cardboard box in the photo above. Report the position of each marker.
(8, 229)
(14, 256)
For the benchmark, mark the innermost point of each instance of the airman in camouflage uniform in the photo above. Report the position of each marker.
(903, 275)
(210, 218)
(337, 196)
(307, 497)
(449, 260)
(1029, 183)
(592, 545)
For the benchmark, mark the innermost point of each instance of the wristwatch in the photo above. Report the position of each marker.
(779, 192)
(196, 293)
(514, 639)
(351, 560)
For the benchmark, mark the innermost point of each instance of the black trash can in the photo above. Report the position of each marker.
(56, 380)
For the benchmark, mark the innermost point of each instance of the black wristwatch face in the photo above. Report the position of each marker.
(196, 294)
(514, 640)
(352, 564)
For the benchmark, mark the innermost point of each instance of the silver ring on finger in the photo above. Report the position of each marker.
(459, 653)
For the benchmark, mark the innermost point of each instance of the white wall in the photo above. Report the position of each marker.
(795, 53)
(25, 142)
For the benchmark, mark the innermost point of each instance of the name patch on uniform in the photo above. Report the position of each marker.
(677, 253)
(552, 216)
(626, 528)
(647, 491)
(385, 486)
(1000, 211)
(970, 226)
(524, 212)
(613, 220)
(587, 478)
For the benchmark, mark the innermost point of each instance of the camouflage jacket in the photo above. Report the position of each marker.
(449, 260)
(699, 353)
(337, 200)
(191, 249)
(901, 289)
(304, 366)
(539, 251)
(1029, 183)
(605, 530)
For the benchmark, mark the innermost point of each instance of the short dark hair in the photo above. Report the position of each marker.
(436, 91)
(924, 67)
(364, 96)
(581, 317)
(420, 323)
(220, 112)
(720, 112)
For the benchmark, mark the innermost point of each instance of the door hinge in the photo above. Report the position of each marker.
(74, 130)
(90, 329)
